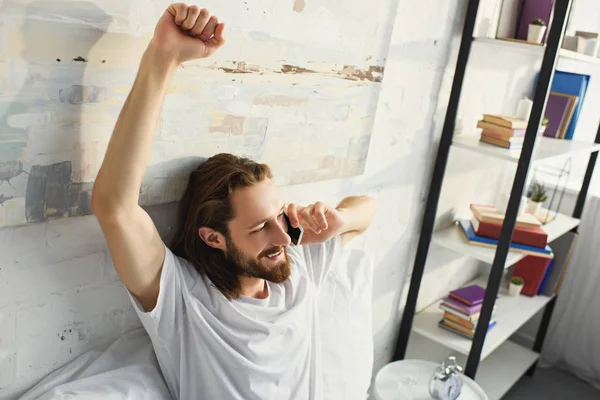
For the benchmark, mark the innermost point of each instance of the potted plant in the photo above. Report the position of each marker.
(543, 125)
(515, 286)
(537, 196)
(536, 31)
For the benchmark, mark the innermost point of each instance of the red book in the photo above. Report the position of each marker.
(532, 269)
(535, 237)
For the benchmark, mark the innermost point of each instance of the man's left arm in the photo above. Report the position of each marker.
(358, 213)
(349, 219)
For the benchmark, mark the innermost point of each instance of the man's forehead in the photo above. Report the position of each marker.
(256, 202)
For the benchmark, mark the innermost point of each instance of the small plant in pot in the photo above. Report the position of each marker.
(537, 196)
(515, 286)
(536, 31)
(544, 125)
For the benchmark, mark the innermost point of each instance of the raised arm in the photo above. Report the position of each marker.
(183, 33)
(349, 219)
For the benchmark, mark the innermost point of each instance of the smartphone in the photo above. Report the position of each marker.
(294, 233)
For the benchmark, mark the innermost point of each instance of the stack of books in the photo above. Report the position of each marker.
(486, 223)
(462, 308)
(502, 130)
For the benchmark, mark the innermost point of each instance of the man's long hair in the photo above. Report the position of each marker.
(207, 202)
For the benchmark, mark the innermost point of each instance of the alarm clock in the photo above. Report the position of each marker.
(446, 382)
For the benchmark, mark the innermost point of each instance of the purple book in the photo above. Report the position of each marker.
(471, 295)
(461, 307)
(556, 111)
(531, 10)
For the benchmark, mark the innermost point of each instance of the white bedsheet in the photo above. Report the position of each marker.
(128, 369)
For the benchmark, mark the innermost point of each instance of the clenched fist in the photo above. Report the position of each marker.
(187, 33)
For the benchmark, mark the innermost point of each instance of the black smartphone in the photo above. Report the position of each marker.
(294, 233)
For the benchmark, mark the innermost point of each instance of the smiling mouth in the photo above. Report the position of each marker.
(275, 255)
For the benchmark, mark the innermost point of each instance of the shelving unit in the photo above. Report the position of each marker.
(491, 358)
(450, 238)
(511, 314)
(533, 48)
(546, 148)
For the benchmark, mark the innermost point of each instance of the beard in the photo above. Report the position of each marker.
(254, 268)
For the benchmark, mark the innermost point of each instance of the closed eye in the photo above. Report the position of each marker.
(262, 228)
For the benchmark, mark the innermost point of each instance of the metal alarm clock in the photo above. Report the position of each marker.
(446, 382)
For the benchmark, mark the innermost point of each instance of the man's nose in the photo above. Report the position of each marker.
(280, 236)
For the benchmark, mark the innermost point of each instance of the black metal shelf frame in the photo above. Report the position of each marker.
(555, 37)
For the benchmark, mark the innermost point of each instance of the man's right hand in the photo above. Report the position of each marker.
(186, 33)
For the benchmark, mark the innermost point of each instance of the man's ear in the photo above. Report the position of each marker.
(212, 238)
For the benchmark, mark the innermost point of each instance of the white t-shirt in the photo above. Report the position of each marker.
(209, 347)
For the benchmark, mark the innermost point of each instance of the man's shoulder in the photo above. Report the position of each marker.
(181, 266)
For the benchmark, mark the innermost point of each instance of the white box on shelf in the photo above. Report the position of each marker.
(488, 15)
(507, 23)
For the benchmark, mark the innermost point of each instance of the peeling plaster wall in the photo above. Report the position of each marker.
(59, 295)
(296, 87)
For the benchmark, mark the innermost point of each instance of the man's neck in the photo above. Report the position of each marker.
(254, 287)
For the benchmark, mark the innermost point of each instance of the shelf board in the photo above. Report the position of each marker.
(511, 313)
(534, 48)
(573, 55)
(503, 368)
(545, 148)
(496, 374)
(452, 239)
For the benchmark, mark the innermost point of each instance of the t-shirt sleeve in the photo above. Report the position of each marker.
(320, 257)
(165, 319)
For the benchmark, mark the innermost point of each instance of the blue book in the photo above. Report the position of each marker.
(467, 229)
(572, 84)
(545, 278)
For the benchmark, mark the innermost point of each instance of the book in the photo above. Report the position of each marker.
(469, 235)
(532, 270)
(489, 214)
(467, 323)
(535, 237)
(563, 247)
(500, 142)
(556, 112)
(572, 84)
(514, 139)
(460, 321)
(459, 328)
(457, 332)
(471, 295)
(506, 121)
(546, 276)
(473, 317)
(461, 307)
(501, 130)
(531, 10)
(570, 111)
